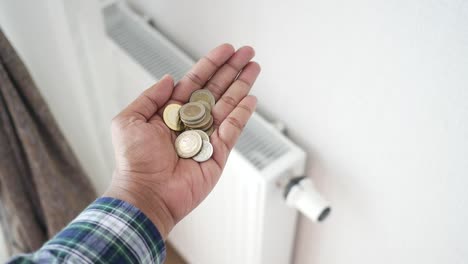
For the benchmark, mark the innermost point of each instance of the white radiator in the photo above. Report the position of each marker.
(245, 219)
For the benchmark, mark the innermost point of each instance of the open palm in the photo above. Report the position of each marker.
(147, 166)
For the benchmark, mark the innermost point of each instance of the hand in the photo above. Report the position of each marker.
(148, 172)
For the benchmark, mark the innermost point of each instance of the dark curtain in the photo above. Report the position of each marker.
(42, 186)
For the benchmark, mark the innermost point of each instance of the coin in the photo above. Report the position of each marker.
(191, 112)
(188, 144)
(203, 95)
(209, 131)
(203, 135)
(206, 105)
(196, 122)
(171, 117)
(208, 125)
(205, 152)
(203, 123)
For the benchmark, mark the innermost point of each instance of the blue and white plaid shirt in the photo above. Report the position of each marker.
(107, 231)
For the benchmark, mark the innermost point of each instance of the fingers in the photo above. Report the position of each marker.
(148, 103)
(231, 128)
(236, 92)
(201, 72)
(228, 72)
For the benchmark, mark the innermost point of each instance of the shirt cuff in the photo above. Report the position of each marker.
(114, 230)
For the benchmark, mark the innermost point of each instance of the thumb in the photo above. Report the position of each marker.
(152, 99)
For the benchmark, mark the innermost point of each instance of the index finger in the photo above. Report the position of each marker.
(201, 72)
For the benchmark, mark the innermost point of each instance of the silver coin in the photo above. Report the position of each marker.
(202, 134)
(188, 144)
(205, 152)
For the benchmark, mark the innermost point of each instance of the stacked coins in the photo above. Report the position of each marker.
(197, 113)
(195, 121)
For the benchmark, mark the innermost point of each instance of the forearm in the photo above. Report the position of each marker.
(108, 231)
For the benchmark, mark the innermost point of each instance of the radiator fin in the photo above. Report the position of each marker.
(260, 145)
(148, 50)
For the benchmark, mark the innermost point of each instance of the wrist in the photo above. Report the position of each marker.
(146, 200)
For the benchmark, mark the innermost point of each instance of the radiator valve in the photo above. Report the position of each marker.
(301, 194)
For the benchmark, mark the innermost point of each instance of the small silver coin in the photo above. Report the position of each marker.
(205, 153)
(202, 134)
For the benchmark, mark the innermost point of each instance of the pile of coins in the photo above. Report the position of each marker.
(195, 121)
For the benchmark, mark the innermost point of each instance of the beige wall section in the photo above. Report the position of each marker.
(45, 37)
(376, 92)
(46, 40)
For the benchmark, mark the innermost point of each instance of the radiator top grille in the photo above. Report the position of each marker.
(148, 50)
(258, 144)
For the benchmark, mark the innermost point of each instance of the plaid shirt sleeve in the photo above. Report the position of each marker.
(107, 231)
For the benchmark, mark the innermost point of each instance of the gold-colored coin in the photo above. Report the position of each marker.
(192, 112)
(203, 123)
(207, 125)
(203, 95)
(171, 117)
(196, 122)
(206, 105)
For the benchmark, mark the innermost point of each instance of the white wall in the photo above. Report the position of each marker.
(377, 93)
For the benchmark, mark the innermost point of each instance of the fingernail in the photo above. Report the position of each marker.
(251, 49)
(167, 77)
(228, 45)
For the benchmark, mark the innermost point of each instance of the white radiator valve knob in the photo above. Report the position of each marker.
(301, 194)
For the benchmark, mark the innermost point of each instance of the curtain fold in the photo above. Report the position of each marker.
(42, 185)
